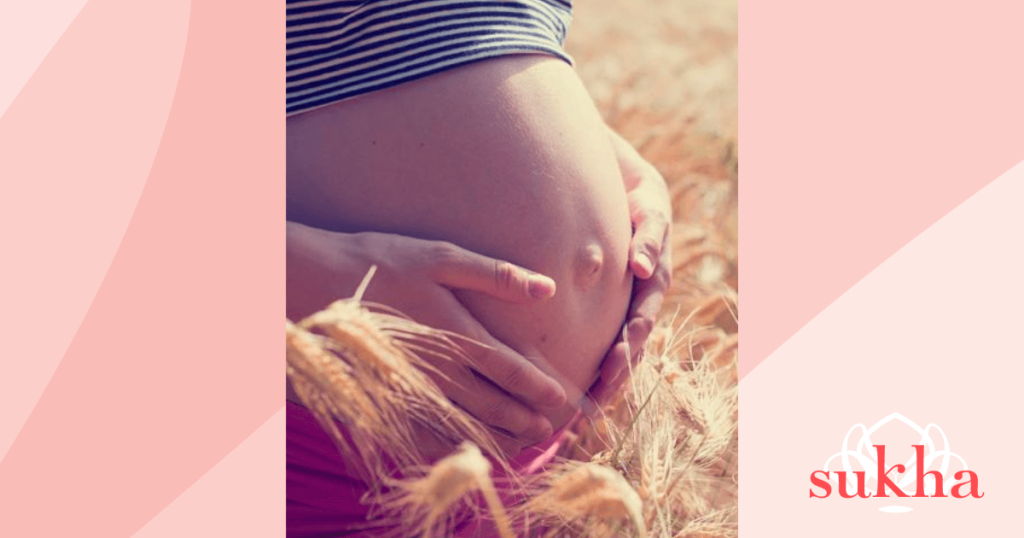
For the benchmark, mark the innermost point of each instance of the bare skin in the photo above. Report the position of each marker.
(419, 278)
(509, 159)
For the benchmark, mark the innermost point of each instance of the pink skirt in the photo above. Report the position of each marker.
(323, 496)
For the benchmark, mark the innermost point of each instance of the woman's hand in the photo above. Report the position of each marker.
(417, 277)
(650, 258)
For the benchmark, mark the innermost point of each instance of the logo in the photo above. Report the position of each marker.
(876, 478)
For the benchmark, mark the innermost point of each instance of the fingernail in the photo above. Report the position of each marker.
(556, 396)
(541, 428)
(645, 263)
(541, 286)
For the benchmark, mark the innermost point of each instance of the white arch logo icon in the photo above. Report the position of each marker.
(911, 479)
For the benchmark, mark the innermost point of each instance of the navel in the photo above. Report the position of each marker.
(589, 262)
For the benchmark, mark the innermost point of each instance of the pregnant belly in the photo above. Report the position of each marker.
(507, 158)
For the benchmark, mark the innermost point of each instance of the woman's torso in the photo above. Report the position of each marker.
(506, 157)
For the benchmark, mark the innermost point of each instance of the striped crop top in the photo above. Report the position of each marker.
(341, 49)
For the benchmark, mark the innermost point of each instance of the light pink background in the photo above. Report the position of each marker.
(142, 157)
(141, 216)
(862, 124)
(877, 277)
(932, 333)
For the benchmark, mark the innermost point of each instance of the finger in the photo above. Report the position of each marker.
(616, 368)
(614, 360)
(458, 268)
(601, 393)
(648, 241)
(434, 447)
(501, 365)
(643, 311)
(606, 386)
(638, 331)
(612, 370)
(514, 374)
(493, 406)
(648, 296)
(648, 301)
(508, 444)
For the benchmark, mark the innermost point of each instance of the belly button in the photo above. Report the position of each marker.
(588, 264)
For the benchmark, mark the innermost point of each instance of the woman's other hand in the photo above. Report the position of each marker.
(650, 258)
(417, 277)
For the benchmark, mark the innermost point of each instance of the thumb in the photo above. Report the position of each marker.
(458, 268)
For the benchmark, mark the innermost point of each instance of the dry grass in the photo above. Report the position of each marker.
(424, 505)
(360, 367)
(659, 460)
(588, 499)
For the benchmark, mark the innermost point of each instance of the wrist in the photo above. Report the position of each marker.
(320, 267)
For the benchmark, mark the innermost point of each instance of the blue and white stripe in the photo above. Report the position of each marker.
(341, 49)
